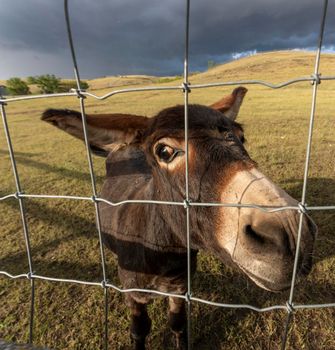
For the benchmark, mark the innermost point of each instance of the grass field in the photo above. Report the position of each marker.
(64, 239)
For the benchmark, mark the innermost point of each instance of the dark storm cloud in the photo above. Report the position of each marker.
(147, 36)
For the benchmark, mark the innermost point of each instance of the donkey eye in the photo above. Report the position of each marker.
(229, 136)
(166, 153)
(222, 129)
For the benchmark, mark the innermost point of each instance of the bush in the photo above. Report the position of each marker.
(48, 83)
(169, 79)
(17, 86)
(84, 85)
(31, 80)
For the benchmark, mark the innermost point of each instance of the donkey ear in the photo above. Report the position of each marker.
(106, 132)
(230, 105)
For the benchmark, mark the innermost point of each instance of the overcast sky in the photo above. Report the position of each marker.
(147, 36)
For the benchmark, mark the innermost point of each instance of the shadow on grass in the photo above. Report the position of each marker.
(212, 325)
(21, 154)
(320, 191)
(24, 159)
(235, 287)
(69, 227)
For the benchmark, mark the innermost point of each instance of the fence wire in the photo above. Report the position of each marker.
(315, 79)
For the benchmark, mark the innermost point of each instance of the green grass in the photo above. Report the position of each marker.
(64, 239)
(165, 80)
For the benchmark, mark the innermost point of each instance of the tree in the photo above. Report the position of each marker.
(17, 86)
(31, 80)
(48, 83)
(84, 85)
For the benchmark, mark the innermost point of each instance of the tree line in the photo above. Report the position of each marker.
(46, 83)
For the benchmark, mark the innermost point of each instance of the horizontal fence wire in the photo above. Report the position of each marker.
(316, 78)
(263, 208)
(74, 92)
(167, 294)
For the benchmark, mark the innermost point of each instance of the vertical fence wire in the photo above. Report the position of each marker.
(303, 210)
(23, 219)
(91, 170)
(186, 91)
(185, 87)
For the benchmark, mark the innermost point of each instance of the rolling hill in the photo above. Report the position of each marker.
(63, 235)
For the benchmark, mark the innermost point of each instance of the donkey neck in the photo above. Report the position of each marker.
(129, 177)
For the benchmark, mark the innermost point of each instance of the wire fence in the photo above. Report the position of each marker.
(315, 79)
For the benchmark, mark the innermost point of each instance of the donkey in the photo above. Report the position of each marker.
(146, 160)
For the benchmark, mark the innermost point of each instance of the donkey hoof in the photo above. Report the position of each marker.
(181, 340)
(139, 346)
(138, 342)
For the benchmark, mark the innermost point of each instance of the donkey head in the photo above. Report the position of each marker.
(261, 244)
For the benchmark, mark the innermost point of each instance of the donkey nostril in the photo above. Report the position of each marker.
(251, 233)
(273, 238)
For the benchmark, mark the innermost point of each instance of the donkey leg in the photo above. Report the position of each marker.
(177, 321)
(140, 323)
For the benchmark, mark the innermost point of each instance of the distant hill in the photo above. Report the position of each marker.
(120, 80)
(273, 66)
(276, 66)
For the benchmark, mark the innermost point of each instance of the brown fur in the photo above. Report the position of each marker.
(118, 121)
(150, 240)
(234, 100)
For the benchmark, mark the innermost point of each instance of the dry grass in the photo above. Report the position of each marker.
(121, 80)
(64, 238)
